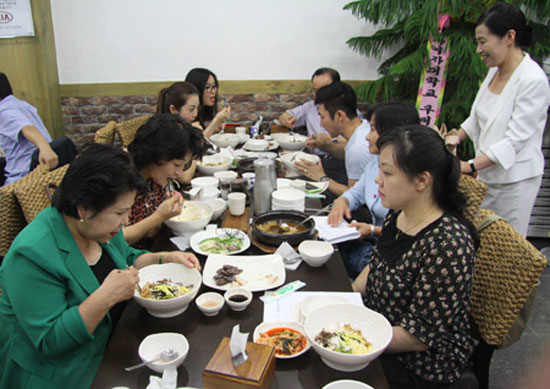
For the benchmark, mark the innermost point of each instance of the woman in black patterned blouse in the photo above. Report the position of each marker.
(420, 272)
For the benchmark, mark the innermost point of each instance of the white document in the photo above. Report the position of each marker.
(287, 308)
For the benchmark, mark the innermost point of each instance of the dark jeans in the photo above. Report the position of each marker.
(400, 378)
(355, 255)
(63, 147)
(336, 169)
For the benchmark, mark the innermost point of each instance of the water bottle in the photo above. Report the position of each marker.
(265, 183)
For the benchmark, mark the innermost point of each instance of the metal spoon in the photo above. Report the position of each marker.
(165, 356)
(214, 146)
(286, 227)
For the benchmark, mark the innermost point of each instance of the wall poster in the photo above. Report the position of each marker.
(15, 18)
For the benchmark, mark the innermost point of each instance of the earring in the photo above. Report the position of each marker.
(81, 220)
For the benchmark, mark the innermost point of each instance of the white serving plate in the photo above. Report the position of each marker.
(263, 327)
(202, 235)
(255, 268)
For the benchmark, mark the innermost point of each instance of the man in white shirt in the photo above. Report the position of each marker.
(337, 105)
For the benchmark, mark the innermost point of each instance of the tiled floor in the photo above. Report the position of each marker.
(508, 366)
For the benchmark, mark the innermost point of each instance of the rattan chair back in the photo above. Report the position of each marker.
(507, 270)
(127, 130)
(475, 193)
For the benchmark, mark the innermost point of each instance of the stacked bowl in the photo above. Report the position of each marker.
(288, 199)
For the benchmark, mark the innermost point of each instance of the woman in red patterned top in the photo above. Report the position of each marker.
(162, 149)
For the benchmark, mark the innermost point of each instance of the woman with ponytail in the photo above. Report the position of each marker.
(508, 116)
(182, 99)
(421, 269)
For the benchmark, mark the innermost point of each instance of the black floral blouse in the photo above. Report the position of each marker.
(423, 283)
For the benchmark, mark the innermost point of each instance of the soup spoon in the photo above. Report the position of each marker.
(286, 227)
(165, 356)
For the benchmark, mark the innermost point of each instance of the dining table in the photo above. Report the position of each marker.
(205, 333)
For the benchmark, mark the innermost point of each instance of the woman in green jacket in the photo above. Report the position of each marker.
(68, 273)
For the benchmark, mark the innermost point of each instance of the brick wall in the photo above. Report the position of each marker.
(83, 116)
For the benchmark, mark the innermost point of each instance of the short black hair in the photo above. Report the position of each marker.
(334, 75)
(338, 96)
(96, 178)
(5, 87)
(502, 17)
(166, 137)
(393, 114)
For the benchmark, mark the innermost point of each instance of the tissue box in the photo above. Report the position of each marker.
(257, 372)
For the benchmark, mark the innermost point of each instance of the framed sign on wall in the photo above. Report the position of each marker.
(15, 18)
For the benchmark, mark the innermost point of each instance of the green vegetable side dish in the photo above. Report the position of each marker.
(221, 245)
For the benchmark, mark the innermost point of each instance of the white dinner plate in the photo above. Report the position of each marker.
(260, 272)
(198, 237)
(263, 327)
(273, 145)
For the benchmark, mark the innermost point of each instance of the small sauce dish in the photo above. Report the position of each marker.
(238, 298)
(210, 303)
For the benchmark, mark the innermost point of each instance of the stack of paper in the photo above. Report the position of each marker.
(334, 235)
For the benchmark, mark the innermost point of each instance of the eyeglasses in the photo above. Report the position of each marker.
(210, 87)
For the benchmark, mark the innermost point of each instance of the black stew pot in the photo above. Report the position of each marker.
(274, 240)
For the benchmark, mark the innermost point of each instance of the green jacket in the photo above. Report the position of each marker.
(44, 277)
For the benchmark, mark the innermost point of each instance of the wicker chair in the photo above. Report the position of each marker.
(34, 195)
(507, 272)
(21, 201)
(106, 135)
(127, 130)
(12, 219)
(475, 193)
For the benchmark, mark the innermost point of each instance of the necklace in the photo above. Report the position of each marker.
(408, 229)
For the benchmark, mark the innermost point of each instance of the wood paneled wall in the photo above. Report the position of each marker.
(31, 66)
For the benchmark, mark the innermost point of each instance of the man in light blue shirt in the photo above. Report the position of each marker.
(21, 132)
(337, 105)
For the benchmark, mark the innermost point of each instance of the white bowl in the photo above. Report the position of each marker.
(238, 306)
(209, 193)
(194, 216)
(288, 196)
(289, 142)
(154, 344)
(226, 176)
(315, 302)
(243, 138)
(373, 326)
(210, 303)
(315, 252)
(347, 384)
(174, 272)
(257, 144)
(289, 159)
(201, 182)
(218, 206)
(211, 164)
(263, 327)
(226, 139)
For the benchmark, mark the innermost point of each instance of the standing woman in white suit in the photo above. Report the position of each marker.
(508, 116)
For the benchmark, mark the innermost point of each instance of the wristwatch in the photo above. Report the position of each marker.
(472, 166)
(324, 178)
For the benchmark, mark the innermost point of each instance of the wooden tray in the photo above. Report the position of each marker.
(271, 249)
(238, 222)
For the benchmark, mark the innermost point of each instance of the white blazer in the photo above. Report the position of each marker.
(512, 137)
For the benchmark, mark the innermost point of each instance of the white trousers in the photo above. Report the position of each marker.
(514, 201)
